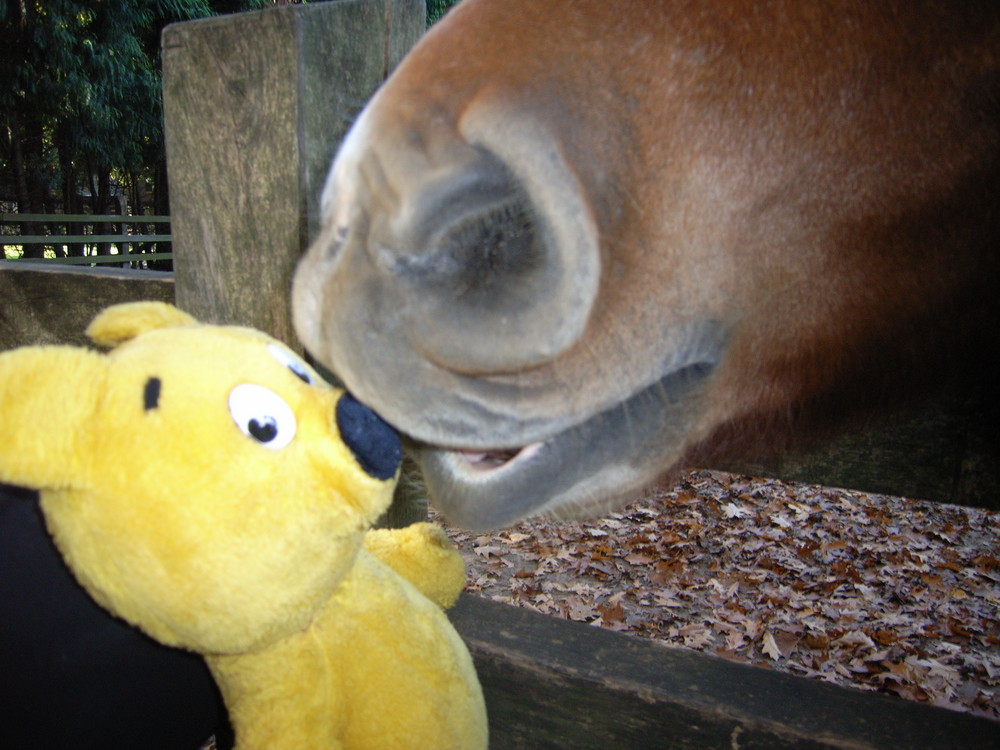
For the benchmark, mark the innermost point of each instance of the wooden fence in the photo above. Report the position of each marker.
(254, 106)
(87, 239)
(46, 303)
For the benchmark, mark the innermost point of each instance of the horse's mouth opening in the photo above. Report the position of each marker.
(584, 467)
(492, 460)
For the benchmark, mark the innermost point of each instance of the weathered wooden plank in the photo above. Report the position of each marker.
(255, 106)
(946, 449)
(557, 684)
(42, 304)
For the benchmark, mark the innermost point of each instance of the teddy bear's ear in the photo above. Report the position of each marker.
(48, 394)
(119, 323)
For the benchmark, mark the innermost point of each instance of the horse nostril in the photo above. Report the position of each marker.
(375, 445)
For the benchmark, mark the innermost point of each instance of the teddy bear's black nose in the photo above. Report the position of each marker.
(375, 445)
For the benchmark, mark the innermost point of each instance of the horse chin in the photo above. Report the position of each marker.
(578, 472)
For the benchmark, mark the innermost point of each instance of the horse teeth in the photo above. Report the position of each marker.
(489, 459)
(471, 457)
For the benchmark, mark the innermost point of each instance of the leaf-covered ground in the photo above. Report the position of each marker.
(877, 592)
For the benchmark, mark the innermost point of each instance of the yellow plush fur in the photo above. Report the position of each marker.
(258, 554)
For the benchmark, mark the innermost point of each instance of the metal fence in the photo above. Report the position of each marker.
(87, 239)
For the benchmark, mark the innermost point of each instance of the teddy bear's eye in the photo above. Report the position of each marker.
(263, 415)
(292, 362)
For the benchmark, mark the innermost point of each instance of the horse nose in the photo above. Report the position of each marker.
(482, 282)
(374, 444)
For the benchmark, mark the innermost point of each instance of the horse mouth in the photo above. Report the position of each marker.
(577, 472)
(485, 461)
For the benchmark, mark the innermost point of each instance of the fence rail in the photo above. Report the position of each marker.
(134, 244)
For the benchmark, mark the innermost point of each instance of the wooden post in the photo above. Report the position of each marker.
(255, 105)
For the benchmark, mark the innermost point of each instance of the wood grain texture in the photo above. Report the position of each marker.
(255, 105)
(552, 683)
(53, 305)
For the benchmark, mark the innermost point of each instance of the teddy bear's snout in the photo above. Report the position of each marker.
(375, 445)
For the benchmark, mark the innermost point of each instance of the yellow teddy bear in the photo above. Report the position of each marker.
(203, 483)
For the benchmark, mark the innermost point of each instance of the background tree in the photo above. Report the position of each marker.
(437, 8)
(81, 125)
(79, 97)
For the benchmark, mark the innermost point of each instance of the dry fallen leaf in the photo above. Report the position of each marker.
(865, 590)
(770, 647)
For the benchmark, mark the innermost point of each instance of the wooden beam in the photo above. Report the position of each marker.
(557, 684)
(255, 105)
(46, 304)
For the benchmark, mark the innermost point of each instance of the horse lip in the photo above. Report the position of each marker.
(528, 482)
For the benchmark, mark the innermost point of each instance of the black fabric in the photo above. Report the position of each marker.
(73, 677)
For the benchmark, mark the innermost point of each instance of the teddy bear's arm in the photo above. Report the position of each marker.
(423, 555)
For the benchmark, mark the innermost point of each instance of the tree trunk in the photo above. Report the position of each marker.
(25, 204)
(100, 202)
(70, 199)
(161, 191)
(16, 155)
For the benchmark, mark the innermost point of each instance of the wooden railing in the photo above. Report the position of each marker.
(65, 238)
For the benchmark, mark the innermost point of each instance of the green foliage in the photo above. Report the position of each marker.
(437, 8)
(80, 98)
(80, 101)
